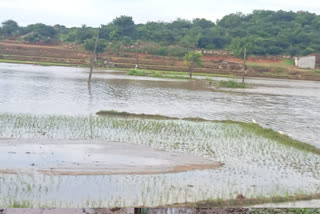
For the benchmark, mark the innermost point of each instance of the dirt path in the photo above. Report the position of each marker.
(91, 157)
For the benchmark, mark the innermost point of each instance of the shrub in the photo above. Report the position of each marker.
(135, 72)
(231, 84)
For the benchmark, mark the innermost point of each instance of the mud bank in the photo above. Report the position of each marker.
(84, 157)
(17, 52)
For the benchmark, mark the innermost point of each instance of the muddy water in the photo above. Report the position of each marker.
(284, 105)
(257, 168)
(78, 157)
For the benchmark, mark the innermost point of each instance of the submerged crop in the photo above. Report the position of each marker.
(254, 165)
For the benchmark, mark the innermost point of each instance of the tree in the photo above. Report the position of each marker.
(89, 45)
(238, 46)
(10, 28)
(202, 23)
(39, 33)
(242, 47)
(94, 54)
(191, 39)
(84, 33)
(123, 26)
(192, 60)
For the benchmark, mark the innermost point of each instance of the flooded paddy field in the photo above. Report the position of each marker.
(253, 165)
(55, 103)
(289, 106)
(89, 157)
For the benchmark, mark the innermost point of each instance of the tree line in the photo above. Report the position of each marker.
(262, 32)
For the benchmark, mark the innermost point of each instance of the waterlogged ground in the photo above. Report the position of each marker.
(34, 98)
(253, 165)
(92, 157)
(285, 105)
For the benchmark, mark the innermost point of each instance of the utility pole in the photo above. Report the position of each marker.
(92, 60)
(244, 64)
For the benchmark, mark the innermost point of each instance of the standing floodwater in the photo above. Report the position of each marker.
(284, 105)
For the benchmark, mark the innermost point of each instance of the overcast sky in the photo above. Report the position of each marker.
(96, 12)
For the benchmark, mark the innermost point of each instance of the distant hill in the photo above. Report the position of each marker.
(262, 32)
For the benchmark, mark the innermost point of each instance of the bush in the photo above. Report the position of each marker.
(135, 72)
(231, 84)
(289, 61)
(162, 51)
(178, 51)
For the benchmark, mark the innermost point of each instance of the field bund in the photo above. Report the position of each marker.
(61, 55)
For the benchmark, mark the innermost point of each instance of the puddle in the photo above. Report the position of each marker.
(253, 166)
(65, 157)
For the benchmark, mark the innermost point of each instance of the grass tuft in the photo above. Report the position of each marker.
(248, 201)
(38, 63)
(231, 84)
(249, 127)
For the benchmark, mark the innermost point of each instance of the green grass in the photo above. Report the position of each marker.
(244, 148)
(231, 84)
(170, 74)
(317, 71)
(20, 204)
(248, 127)
(285, 211)
(282, 139)
(127, 114)
(289, 61)
(285, 64)
(136, 73)
(251, 201)
(40, 63)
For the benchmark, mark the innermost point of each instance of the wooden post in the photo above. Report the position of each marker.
(244, 64)
(92, 60)
(137, 55)
(190, 71)
(137, 210)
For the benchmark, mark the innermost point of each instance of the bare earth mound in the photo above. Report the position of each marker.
(92, 157)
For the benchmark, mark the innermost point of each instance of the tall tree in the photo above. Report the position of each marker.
(92, 60)
(192, 60)
(10, 28)
(241, 48)
(123, 26)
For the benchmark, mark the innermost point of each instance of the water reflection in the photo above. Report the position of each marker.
(284, 105)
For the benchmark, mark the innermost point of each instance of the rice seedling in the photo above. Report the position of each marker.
(256, 163)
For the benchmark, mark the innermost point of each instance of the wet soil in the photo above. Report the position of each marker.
(82, 157)
(212, 64)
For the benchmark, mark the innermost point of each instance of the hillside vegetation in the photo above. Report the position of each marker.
(263, 32)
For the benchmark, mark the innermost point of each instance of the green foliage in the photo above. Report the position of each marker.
(136, 72)
(178, 51)
(9, 28)
(79, 35)
(89, 45)
(240, 45)
(193, 59)
(39, 33)
(121, 28)
(289, 61)
(266, 32)
(231, 84)
(21, 204)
